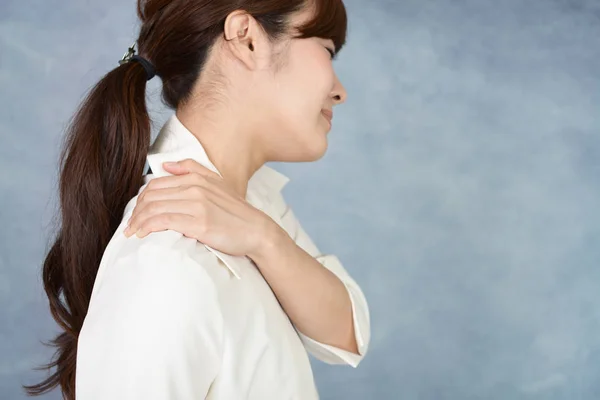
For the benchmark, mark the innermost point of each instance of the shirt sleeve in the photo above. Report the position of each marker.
(154, 330)
(360, 309)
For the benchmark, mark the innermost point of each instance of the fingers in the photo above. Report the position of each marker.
(183, 192)
(189, 165)
(191, 178)
(167, 221)
(151, 210)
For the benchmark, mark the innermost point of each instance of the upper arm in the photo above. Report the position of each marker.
(160, 337)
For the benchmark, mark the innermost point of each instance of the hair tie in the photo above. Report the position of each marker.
(150, 70)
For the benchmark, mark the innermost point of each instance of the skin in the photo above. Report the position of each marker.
(239, 138)
(292, 81)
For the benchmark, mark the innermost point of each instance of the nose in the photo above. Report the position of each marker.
(338, 93)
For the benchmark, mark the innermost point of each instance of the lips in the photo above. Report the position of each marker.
(328, 114)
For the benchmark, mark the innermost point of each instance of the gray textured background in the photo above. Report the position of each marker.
(460, 188)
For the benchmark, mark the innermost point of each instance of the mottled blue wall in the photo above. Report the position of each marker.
(461, 188)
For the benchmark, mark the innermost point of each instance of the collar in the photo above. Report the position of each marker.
(175, 143)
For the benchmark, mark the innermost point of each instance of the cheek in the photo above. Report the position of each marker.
(313, 78)
(298, 104)
(310, 97)
(301, 90)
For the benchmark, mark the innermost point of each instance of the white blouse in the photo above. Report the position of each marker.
(172, 318)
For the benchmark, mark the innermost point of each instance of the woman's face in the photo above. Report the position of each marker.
(279, 90)
(300, 90)
(289, 96)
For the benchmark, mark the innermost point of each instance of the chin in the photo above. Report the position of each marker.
(306, 156)
(316, 148)
(312, 146)
(314, 152)
(318, 152)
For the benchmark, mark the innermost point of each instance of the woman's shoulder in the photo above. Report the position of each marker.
(165, 263)
(151, 290)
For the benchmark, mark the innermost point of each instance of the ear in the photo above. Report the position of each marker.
(245, 39)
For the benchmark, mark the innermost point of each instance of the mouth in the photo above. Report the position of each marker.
(327, 114)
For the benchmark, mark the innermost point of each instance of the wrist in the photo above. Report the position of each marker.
(270, 238)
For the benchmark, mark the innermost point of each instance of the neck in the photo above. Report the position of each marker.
(228, 147)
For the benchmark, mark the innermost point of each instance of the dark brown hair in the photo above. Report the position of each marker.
(107, 140)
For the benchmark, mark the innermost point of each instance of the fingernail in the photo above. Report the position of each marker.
(170, 164)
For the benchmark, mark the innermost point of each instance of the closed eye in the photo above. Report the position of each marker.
(331, 53)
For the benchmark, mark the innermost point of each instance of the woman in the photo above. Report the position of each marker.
(228, 294)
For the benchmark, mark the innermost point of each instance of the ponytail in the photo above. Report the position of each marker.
(101, 169)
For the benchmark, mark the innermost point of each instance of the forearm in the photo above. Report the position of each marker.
(313, 297)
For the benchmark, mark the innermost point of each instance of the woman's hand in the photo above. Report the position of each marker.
(197, 203)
